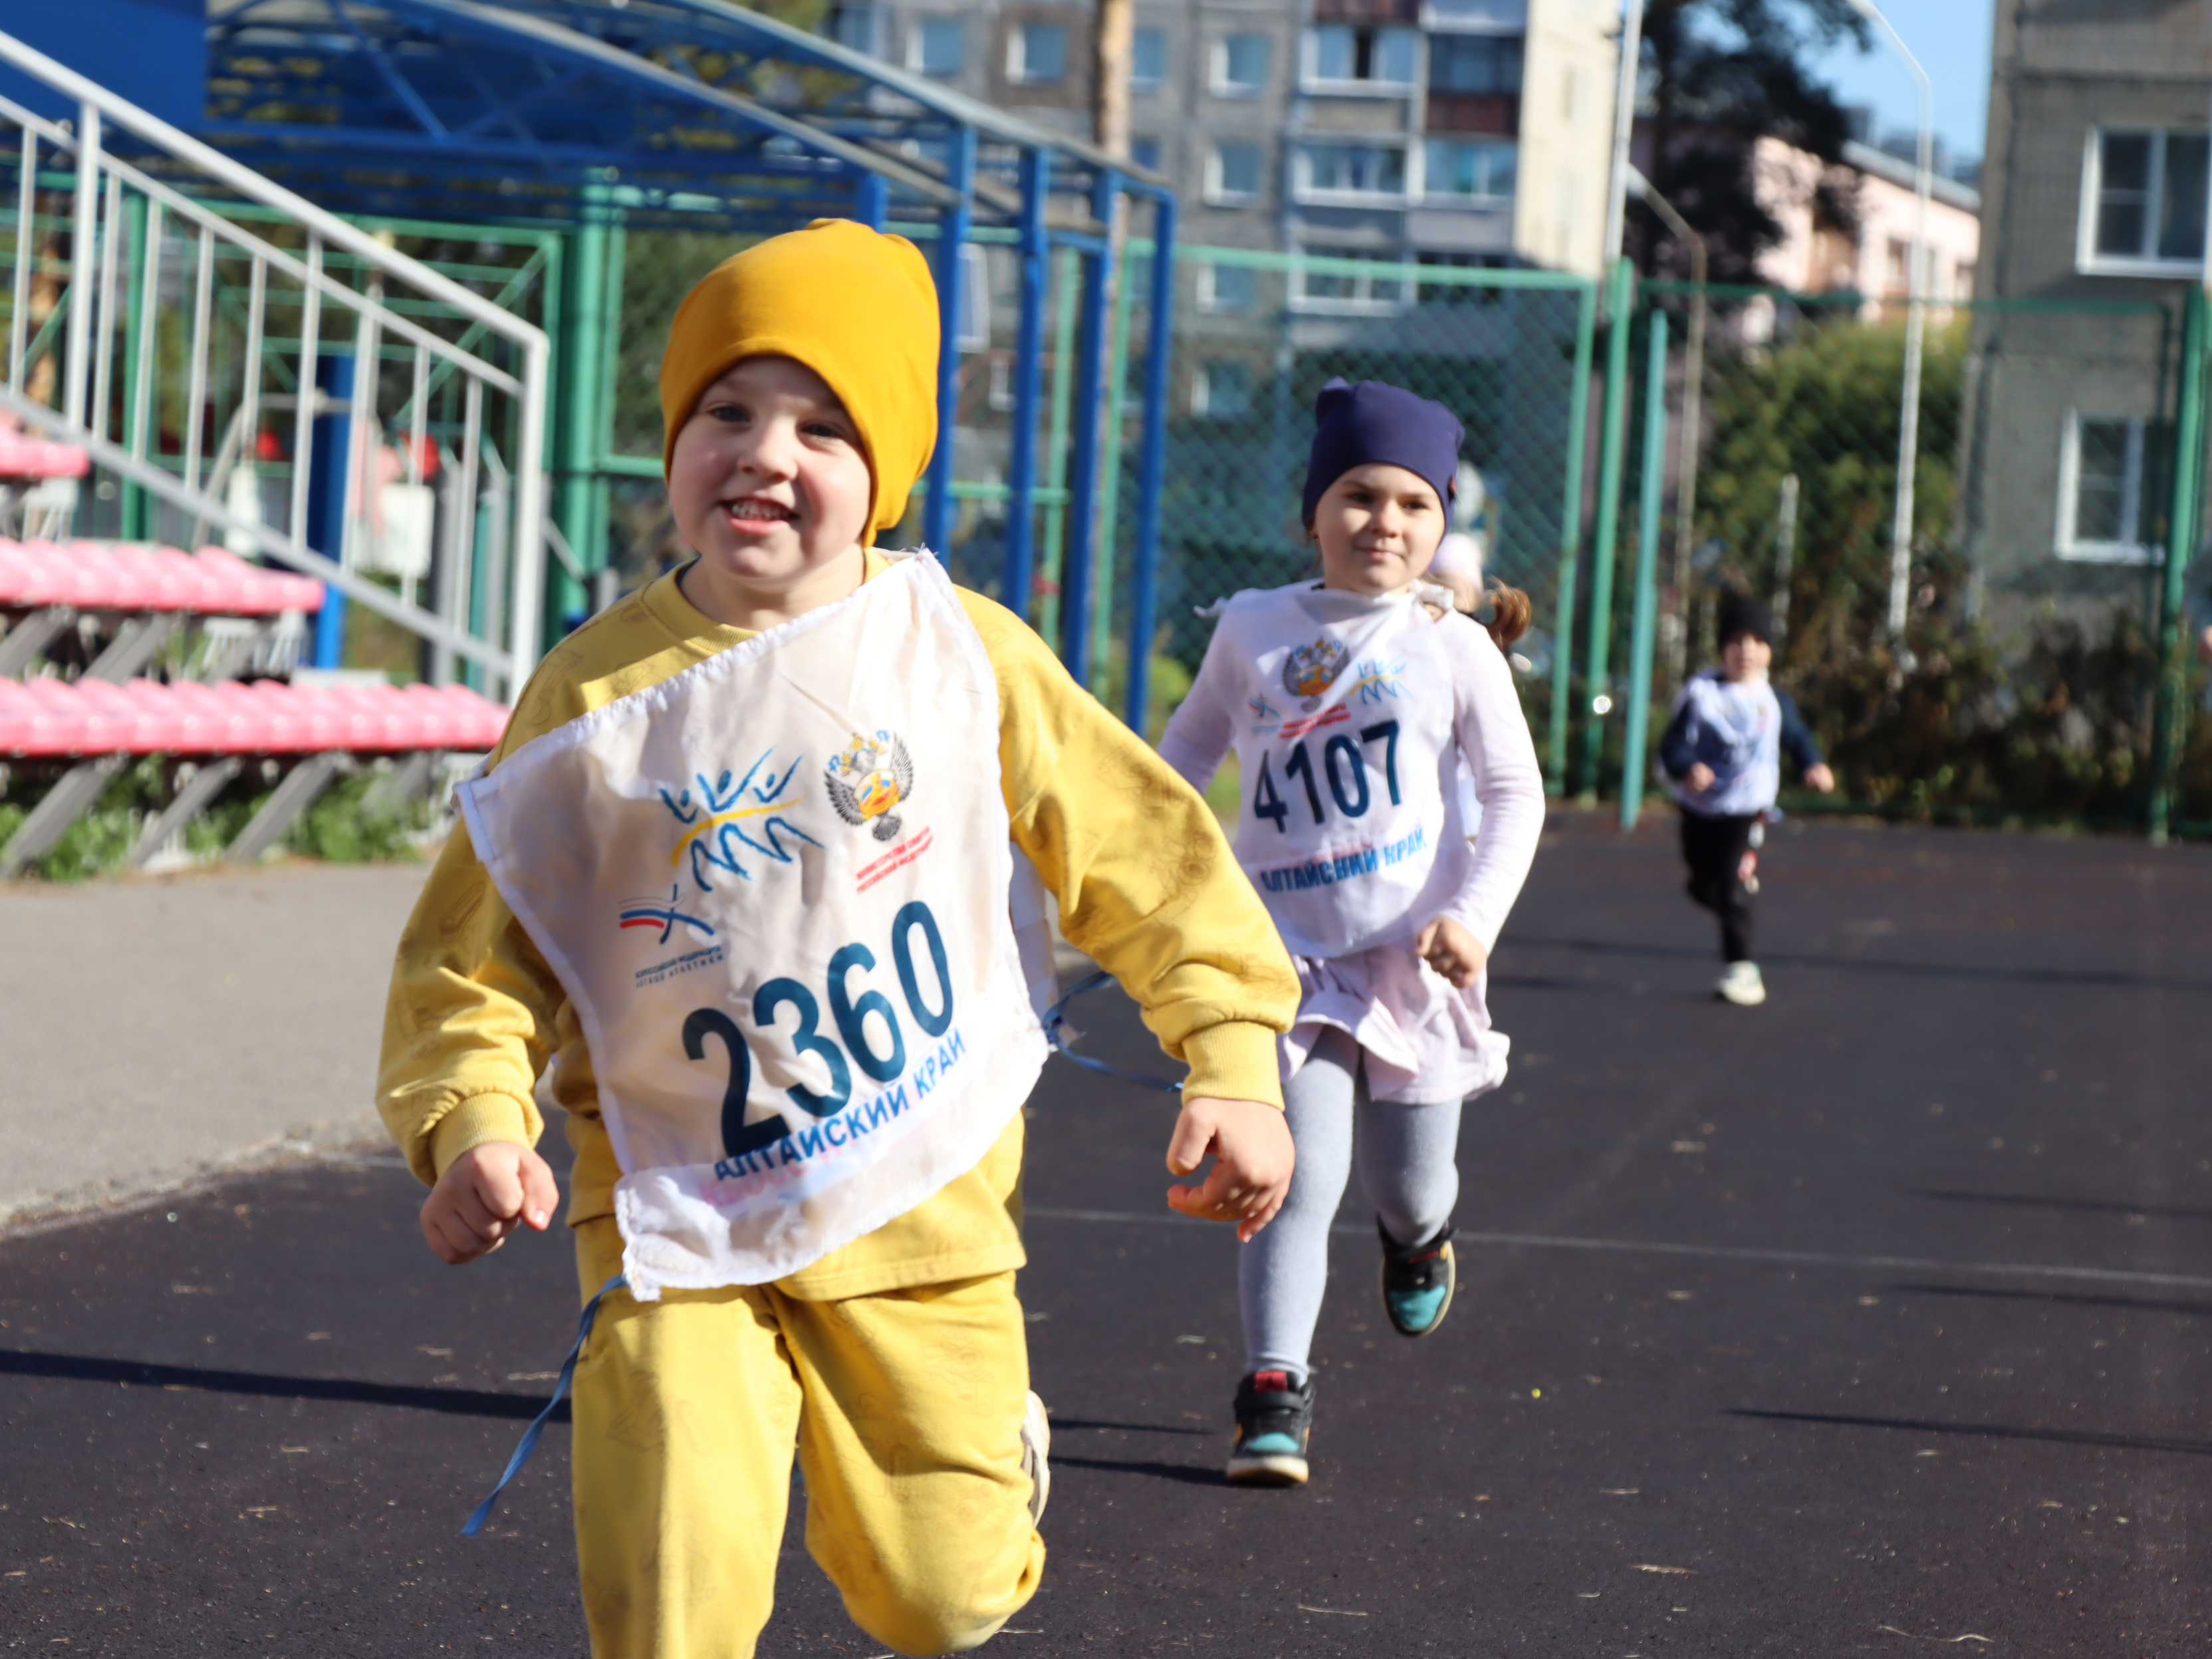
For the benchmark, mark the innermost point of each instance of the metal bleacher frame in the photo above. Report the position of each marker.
(566, 114)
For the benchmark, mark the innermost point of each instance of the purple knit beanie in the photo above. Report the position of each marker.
(1373, 420)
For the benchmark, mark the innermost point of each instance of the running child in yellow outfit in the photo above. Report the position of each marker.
(739, 871)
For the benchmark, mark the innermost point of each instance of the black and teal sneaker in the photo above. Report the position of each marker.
(1418, 1282)
(1274, 1420)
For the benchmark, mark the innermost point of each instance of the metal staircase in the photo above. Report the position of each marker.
(242, 366)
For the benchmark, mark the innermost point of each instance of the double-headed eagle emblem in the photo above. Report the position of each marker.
(872, 777)
(1310, 670)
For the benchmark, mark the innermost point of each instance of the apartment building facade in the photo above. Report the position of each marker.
(1453, 131)
(2095, 190)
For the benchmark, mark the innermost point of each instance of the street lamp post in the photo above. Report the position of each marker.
(1908, 422)
(1624, 129)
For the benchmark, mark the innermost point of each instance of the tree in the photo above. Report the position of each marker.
(1722, 74)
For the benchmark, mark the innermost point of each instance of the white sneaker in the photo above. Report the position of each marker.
(1741, 985)
(1037, 1441)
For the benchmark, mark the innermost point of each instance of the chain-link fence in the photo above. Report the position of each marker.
(1256, 335)
(2025, 681)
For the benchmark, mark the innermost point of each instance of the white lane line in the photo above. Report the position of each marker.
(1711, 1252)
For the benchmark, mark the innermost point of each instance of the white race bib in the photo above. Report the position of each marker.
(774, 886)
(1349, 763)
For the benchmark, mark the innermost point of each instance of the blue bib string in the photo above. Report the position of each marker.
(530, 1436)
(1056, 1028)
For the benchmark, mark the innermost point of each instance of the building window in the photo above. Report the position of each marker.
(1145, 153)
(2112, 487)
(1459, 293)
(1036, 53)
(1483, 63)
(852, 27)
(2143, 199)
(1240, 66)
(1338, 287)
(1367, 170)
(1340, 58)
(974, 298)
(1468, 169)
(1221, 391)
(1232, 173)
(1228, 288)
(1148, 60)
(938, 46)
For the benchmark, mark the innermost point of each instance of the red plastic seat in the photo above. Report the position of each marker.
(80, 726)
(22, 456)
(121, 578)
(147, 724)
(225, 725)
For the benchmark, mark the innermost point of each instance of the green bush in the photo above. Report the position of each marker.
(338, 829)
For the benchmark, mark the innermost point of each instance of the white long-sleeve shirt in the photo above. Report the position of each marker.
(1490, 729)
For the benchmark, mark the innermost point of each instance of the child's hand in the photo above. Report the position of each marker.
(482, 1195)
(1698, 778)
(1821, 778)
(1452, 952)
(1247, 1184)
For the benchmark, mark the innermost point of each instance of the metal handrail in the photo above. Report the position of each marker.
(88, 374)
(249, 184)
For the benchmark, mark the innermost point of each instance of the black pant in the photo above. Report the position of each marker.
(1714, 847)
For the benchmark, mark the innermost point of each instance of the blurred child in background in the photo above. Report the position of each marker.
(1722, 750)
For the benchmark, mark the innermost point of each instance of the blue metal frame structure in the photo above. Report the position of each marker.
(709, 116)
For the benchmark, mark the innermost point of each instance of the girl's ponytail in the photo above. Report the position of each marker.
(1510, 613)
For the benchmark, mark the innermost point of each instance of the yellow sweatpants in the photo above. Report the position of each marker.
(904, 1408)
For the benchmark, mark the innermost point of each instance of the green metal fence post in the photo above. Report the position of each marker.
(597, 557)
(2170, 715)
(1571, 542)
(138, 516)
(1645, 622)
(579, 332)
(1612, 441)
(1055, 465)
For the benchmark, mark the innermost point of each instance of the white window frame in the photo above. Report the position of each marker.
(1311, 80)
(1362, 301)
(1210, 299)
(917, 59)
(974, 298)
(1217, 194)
(1493, 200)
(1217, 75)
(2086, 259)
(1304, 190)
(1201, 391)
(2132, 507)
(1149, 83)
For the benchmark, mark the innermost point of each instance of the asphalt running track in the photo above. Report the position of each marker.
(1872, 1321)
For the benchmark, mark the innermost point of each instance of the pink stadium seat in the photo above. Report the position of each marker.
(22, 456)
(79, 726)
(45, 718)
(147, 725)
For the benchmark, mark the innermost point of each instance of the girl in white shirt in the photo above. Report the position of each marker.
(1353, 703)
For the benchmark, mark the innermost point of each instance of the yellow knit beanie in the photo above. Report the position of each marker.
(856, 306)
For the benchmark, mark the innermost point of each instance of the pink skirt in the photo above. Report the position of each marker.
(1424, 1041)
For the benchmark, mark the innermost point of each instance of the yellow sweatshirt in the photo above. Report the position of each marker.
(1146, 886)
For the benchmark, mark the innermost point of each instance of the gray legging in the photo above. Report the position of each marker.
(1405, 1165)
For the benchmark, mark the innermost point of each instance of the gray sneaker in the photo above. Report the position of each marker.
(1741, 985)
(1037, 1441)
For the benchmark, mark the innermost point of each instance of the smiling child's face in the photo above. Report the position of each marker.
(770, 485)
(1378, 526)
